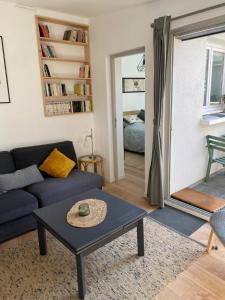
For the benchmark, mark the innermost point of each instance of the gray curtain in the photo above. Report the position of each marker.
(161, 41)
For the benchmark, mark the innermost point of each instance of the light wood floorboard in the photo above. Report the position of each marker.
(204, 279)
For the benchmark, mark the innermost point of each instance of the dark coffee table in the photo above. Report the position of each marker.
(121, 217)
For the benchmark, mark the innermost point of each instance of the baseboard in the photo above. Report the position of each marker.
(121, 177)
(109, 179)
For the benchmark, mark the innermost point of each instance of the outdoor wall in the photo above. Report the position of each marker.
(189, 154)
(22, 122)
(132, 101)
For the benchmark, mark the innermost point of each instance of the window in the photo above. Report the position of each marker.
(214, 87)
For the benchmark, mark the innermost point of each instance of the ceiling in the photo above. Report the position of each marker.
(86, 8)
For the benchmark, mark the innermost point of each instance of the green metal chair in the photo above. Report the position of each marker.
(214, 143)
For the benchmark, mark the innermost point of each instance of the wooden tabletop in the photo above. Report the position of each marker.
(90, 158)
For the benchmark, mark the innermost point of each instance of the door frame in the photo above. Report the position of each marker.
(113, 103)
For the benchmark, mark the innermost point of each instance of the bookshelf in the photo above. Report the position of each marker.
(64, 57)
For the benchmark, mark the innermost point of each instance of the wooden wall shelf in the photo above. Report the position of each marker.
(54, 84)
(70, 97)
(55, 78)
(51, 40)
(43, 19)
(70, 60)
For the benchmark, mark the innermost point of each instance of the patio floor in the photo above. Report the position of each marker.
(215, 186)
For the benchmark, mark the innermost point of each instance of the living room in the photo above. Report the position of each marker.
(56, 157)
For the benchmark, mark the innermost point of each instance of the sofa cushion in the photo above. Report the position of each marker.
(16, 227)
(19, 179)
(57, 164)
(6, 163)
(16, 204)
(35, 155)
(53, 190)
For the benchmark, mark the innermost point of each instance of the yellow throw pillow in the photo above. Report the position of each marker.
(57, 164)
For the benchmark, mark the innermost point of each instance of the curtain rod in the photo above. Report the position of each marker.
(195, 12)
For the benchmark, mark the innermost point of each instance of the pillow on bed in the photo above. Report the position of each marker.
(141, 115)
(131, 119)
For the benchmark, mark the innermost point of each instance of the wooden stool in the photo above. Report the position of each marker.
(95, 160)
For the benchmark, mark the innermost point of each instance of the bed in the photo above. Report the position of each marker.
(133, 132)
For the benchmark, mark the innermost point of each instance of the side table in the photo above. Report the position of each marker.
(95, 160)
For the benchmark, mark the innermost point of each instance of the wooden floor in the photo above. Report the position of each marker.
(132, 187)
(203, 280)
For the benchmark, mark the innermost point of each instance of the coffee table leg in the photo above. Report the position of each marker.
(140, 238)
(80, 276)
(42, 239)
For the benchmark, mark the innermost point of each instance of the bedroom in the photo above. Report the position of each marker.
(130, 115)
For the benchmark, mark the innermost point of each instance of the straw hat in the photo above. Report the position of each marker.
(98, 210)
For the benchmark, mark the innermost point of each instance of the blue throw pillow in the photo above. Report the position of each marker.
(20, 179)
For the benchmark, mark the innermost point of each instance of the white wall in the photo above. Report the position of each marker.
(189, 155)
(22, 122)
(120, 32)
(132, 101)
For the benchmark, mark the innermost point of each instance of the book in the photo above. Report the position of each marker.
(46, 71)
(87, 71)
(81, 89)
(43, 30)
(45, 51)
(78, 90)
(40, 31)
(87, 89)
(51, 51)
(73, 36)
(64, 93)
(49, 89)
(81, 72)
(65, 35)
(42, 51)
(87, 106)
(84, 71)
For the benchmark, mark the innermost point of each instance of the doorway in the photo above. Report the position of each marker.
(197, 99)
(128, 103)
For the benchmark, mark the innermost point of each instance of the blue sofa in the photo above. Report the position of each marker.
(16, 206)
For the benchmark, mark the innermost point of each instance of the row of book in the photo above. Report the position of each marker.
(43, 30)
(48, 51)
(55, 89)
(82, 89)
(68, 107)
(84, 71)
(59, 89)
(76, 35)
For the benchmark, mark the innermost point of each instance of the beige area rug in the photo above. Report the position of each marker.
(113, 272)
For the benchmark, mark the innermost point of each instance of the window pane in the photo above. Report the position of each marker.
(206, 77)
(217, 77)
